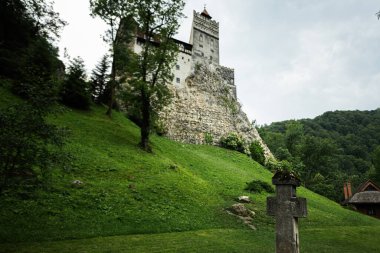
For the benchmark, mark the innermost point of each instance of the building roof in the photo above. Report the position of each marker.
(366, 197)
(205, 14)
(368, 185)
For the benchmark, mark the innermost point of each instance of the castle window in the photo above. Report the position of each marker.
(177, 67)
(212, 42)
(200, 37)
(200, 45)
(210, 57)
(202, 54)
(212, 51)
(183, 58)
(178, 80)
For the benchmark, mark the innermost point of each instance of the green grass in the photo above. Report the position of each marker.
(173, 200)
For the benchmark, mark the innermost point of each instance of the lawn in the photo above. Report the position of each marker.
(173, 200)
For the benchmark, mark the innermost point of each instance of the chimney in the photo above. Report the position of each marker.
(349, 192)
(345, 191)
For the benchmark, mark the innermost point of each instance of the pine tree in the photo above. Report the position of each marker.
(100, 90)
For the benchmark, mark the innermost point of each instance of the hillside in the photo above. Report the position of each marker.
(173, 200)
(330, 149)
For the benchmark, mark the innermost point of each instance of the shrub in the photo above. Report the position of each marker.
(75, 91)
(274, 165)
(259, 186)
(209, 138)
(283, 154)
(257, 152)
(232, 141)
(29, 146)
(159, 128)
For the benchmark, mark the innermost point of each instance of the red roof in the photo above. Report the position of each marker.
(205, 14)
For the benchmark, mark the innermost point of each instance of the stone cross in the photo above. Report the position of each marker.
(287, 208)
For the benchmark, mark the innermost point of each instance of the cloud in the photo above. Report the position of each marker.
(292, 58)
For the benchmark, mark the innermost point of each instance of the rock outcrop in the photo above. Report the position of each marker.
(205, 109)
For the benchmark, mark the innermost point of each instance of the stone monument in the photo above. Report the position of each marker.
(287, 208)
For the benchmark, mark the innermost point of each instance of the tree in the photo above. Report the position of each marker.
(376, 163)
(157, 22)
(233, 141)
(257, 152)
(29, 146)
(26, 30)
(293, 136)
(75, 89)
(100, 80)
(317, 154)
(118, 16)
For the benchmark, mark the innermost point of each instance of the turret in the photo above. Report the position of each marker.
(205, 38)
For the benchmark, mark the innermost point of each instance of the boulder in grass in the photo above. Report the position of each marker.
(244, 199)
(77, 184)
(240, 210)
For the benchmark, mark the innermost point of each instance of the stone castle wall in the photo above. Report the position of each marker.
(207, 104)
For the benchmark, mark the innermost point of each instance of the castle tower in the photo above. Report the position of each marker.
(205, 38)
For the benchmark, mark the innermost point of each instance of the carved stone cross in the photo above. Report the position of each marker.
(287, 208)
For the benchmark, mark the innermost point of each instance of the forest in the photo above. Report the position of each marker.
(331, 149)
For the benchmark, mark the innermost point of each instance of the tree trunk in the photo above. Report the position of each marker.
(145, 126)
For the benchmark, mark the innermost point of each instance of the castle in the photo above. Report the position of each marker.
(204, 104)
(203, 49)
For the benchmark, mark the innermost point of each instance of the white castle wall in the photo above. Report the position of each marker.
(204, 92)
(182, 68)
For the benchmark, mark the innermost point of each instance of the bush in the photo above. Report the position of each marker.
(283, 154)
(257, 152)
(29, 146)
(159, 128)
(75, 91)
(232, 141)
(274, 165)
(209, 138)
(259, 186)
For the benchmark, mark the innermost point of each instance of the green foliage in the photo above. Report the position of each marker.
(257, 152)
(75, 91)
(208, 138)
(293, 136)
(197, 66)
(233, 141)
(229, 103)
(274, 165)
(170, 201)
(160, 128)
(27, 57)
(120, 19)
(100, 90)
(29, 146)
(258, 186)
(337, 145)
(283, 153)
(26, 28)
(148, 73)
(376, 164)
(158, 21)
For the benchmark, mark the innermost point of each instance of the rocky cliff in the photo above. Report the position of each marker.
(206, 105)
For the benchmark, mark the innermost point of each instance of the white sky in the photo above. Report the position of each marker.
(292, 58)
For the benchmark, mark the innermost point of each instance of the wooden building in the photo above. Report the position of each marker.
(367, 198)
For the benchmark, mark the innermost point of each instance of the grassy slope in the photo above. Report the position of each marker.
(172, 200)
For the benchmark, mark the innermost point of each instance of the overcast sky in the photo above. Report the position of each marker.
(292, 58)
